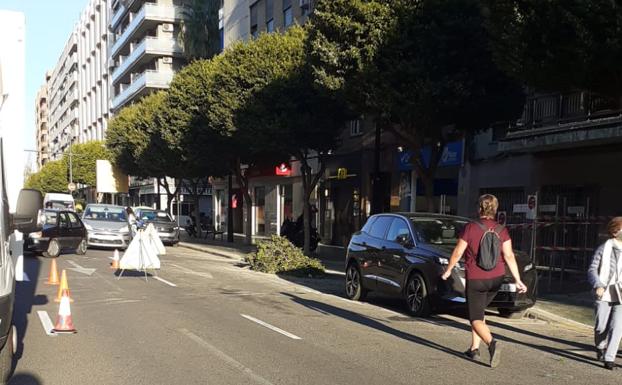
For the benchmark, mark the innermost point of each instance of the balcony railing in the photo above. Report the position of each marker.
(149, 45)
(559, 109)
(148, 79)
(163, 13)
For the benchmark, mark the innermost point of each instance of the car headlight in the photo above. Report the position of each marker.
(88, 227)
(528, 267)
(36, 235)
(442, 261)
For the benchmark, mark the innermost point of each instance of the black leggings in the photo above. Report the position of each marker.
(479, 294)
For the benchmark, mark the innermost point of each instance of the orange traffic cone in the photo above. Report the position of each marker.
(115, 261)
(64, 323)
(64, 287)
(53, 276)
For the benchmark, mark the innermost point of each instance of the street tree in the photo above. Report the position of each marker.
(84, 161)
(296, 118)
(200, 35)
(559, 45)
(52, 177)
(428, 78)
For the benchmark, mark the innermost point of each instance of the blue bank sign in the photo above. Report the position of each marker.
(451, 156)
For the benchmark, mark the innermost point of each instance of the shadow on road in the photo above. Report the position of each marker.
(24, 379)
(375, 324)
(25, 298)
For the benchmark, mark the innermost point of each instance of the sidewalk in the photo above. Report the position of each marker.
(571, 309)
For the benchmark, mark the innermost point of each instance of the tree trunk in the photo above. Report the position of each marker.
(309, 182)
(248, 201)
(197, 206)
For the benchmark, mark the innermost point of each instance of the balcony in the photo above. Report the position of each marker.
(560, 121)
(149, 16)
(148, 49)
(145, 81)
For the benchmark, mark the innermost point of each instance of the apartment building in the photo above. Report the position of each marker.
(63, 96)
(144, 50)
(78, 89)
(41, 122)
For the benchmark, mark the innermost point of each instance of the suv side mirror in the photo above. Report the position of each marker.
(26, 217)
(404, 240)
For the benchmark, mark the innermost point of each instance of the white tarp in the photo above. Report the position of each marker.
(140, 254)
(154, 239)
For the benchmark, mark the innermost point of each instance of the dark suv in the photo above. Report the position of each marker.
(404, 254)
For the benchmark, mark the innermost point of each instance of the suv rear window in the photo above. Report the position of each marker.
(379, 227)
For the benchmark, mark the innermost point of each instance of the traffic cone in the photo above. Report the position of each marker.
(64, 287)
(115, 260)
(53, 276)
(64, 323)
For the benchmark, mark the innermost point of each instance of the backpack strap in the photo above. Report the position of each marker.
(499, 228)
(482, 226)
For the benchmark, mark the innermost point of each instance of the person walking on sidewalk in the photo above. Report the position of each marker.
(487, 248)
(605, 276)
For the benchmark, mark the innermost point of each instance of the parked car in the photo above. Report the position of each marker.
(107, 226)
(61, 230)
(165, 225)
(404, 254)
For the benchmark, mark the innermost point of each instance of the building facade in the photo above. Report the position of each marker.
(78, 89)
(41, 123)
(144, 50)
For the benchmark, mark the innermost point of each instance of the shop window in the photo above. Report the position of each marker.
(260, 210)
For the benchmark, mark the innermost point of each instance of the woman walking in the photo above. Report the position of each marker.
(605, 276)
(487, 248)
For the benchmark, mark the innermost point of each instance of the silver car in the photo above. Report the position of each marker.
(107, 226)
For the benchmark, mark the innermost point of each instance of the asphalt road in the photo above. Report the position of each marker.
(209, 321)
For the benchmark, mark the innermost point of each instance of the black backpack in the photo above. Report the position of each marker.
(489, 247)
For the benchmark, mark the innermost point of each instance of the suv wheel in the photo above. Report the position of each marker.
(53, 248)
(416, 294)
(354, 287)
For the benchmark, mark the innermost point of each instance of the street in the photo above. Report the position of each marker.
(208, 320)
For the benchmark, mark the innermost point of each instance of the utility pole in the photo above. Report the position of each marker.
(230, 209)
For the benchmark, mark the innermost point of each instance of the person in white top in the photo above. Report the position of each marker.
(605, 276)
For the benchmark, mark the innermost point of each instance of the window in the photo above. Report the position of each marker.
(64, 221)
(379, 227)
(355, 127)
(288, 14)
(75, 222)
(398, 227)
(368, 224)
(270, 25)
(270, 15)
(254, 30)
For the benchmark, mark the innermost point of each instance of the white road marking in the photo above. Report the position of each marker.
(80, 269)
(223, 356)
(46, 322)
(188, 271)
(165, 281)
(273, 328)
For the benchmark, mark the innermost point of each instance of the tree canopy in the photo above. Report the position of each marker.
(52, 177)
(84, 162)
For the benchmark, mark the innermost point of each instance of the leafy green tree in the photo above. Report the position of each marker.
(199, 35)
(52, 177)
(559, 45)
(84, 161)
(429, 77)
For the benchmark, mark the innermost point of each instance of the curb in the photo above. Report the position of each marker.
(191, 246)
(543, 315)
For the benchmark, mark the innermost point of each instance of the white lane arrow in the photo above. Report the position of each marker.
(80, 269)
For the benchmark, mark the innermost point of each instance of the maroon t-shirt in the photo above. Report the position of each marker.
(472, 234)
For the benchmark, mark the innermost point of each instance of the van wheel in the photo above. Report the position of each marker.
(416, 295)
(354, 284)
(81, 249)
(53, 248)
(6, 358)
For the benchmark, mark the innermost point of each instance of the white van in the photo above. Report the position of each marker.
(59, 201)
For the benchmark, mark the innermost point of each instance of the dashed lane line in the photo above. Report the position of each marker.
(165, 281)
(273, 328)
(224, 357)
(46, 322)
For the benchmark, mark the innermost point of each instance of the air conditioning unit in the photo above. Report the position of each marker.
(167, 27)
(305, 4)
(167, 60)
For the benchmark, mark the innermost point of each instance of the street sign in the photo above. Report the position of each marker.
(71, 187)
